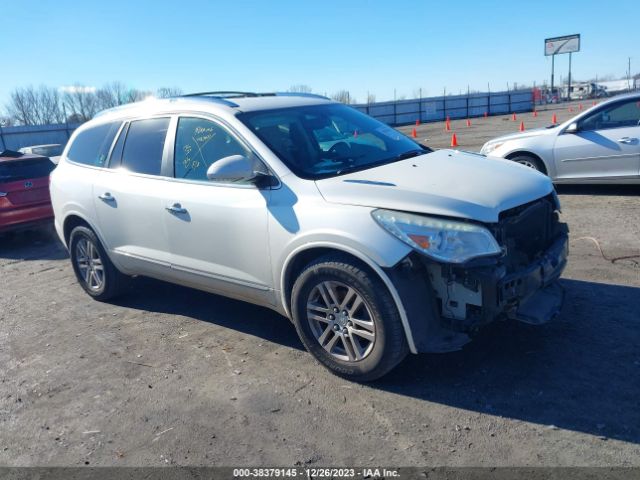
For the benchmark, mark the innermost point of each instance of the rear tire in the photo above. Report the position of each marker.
(347, 319)
(529, 161)
(95, 272)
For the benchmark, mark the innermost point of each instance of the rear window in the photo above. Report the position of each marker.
(12, 171)
(144, 145)
(91, 146)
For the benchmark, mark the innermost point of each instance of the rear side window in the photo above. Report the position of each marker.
(144, 145)
(11, 171)
(91, 146)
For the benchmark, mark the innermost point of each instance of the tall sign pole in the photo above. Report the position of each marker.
(557, 45)
(553, 61)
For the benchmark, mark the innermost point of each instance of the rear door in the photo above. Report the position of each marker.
(24, 186)
(129, 198)
(605, 147)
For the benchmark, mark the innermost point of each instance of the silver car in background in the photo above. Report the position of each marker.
(373, 245)
(599, 145)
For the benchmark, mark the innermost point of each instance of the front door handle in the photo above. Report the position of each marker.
(627, 140)
(106, 197)
(175, 208)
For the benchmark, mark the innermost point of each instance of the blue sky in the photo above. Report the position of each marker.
(329, 45)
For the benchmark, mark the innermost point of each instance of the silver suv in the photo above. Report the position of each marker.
(372, 244)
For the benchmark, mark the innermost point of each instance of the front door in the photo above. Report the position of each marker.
(217, 232)
(605, 147)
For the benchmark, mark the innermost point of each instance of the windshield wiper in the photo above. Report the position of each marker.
(409, 154)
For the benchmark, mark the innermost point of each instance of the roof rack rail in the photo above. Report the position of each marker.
(228, 94)
(301, 94)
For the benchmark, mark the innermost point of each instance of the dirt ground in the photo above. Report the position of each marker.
(168, 375)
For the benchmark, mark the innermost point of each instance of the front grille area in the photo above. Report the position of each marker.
(527, 231)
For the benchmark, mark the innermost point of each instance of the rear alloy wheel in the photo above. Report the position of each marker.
(347, 319)
(90, 265)
(94, 271)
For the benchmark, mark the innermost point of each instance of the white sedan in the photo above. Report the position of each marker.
(600, 145)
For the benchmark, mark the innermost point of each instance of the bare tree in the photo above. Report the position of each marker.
(35, 106)
(300, 88)
(168, 92)
(80, 102)
(343, 96)
(112, 95)
(371, 98)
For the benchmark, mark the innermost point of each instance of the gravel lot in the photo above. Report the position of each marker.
(169, 375)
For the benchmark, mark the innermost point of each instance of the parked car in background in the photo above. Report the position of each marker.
(372, 244)
(599, 145)
(24, 190)
(53, 151)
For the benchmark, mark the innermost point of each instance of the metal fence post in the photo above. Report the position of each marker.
(4, 144)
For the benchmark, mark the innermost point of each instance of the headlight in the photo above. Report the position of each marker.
(444, 240)
(489, 147)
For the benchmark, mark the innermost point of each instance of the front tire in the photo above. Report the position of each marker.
(347, 319)
(92, 267)
(529, 161)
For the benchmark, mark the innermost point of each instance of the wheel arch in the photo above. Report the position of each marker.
(302, 256)
(528, 153)
(71, 221)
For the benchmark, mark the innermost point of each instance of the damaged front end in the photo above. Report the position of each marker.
(446, 301)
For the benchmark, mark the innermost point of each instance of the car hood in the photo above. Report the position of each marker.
(445, 182)
(536, 132)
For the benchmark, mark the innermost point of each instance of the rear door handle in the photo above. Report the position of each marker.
(175, 208)
(627, 140)
(106, 197)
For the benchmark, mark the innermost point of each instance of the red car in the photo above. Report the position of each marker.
(24, 190)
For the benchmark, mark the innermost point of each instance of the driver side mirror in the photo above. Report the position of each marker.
(572, 128)
(236, 169)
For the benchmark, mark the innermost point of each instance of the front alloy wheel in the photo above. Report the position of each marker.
(341, 321)
(347, 319)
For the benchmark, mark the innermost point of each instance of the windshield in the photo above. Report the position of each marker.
(322, 141)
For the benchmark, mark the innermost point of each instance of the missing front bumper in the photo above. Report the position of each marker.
(444, 302)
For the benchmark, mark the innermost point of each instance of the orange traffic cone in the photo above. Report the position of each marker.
(486, 114)
(414, 134)
(522, 126)
(554, 119)
(448, 119)
(580, 107)
(418, 123)
(535, 113)
(513, 117)
(595, 103)
(454, 140)
(571, 109)
(447, 126)
(468, 122)
(355, 134)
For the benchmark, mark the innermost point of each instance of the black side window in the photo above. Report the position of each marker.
(617, 116)
(144, 145)
(199, 143)
(91, 146)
